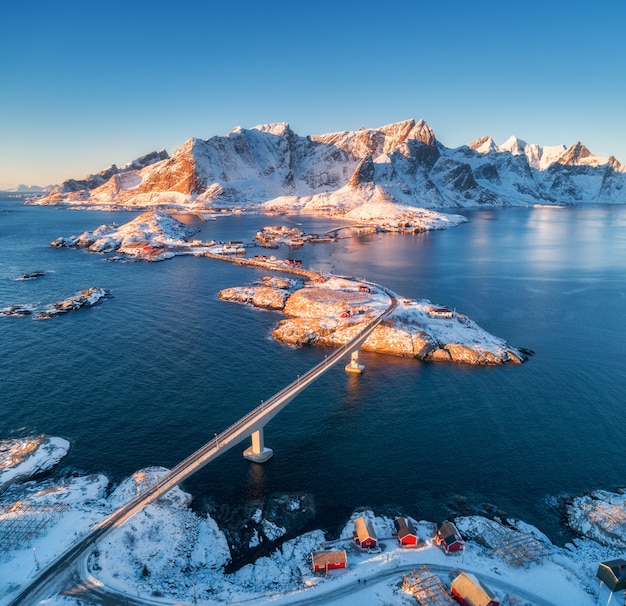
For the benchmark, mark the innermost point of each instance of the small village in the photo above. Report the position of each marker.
(425, 583)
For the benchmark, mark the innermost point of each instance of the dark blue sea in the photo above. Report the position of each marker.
(149, 375)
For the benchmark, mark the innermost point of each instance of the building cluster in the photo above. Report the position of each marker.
(427, 588)
(272, 236)
(364, 538)
(272, 259)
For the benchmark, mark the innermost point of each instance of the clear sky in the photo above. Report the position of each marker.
(87, 84)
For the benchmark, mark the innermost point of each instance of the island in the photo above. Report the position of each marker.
(322, 309)
(157, 235)
(84, 298)
(331, 311)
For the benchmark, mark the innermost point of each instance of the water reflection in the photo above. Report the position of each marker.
(256, 484)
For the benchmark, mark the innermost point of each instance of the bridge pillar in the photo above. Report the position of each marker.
(258, 453)
(354, 365)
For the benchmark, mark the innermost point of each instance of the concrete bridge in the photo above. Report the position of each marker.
(54, 578)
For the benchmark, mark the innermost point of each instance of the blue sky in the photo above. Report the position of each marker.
(87, 84)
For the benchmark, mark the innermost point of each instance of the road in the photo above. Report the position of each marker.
(98, 594)
(52, 579)
(303, 598)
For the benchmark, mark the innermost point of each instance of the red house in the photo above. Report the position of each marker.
(406, 533)
(323, 561)
(364, 534)
(469, 591)
(448, 538)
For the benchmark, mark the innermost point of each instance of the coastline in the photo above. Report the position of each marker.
(167, 551)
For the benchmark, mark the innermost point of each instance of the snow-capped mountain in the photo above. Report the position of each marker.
(270, 166)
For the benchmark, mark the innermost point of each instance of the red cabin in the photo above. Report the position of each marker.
(406, 533)
(469, 591)
(364, 534)
(449, 538)
(323, 561)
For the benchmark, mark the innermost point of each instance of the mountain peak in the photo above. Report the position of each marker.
(280, 129)
(513, 145)
(577, 154)
(423, 133)
(614, 163)
(399, 132)
(483, 145)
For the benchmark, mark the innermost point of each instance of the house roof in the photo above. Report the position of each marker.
(472, 590)
(613, 573)
(404, 527)
(324, 558)
(364, 529)
(448, 532)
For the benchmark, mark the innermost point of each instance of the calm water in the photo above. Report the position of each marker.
(150, 375)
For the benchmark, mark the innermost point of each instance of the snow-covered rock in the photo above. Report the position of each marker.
(84, 298)
(139, 481)
(23, 458)
(254, 528)
(600, 516)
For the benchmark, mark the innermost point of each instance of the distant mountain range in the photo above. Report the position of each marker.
(270, 166)
(28, 189)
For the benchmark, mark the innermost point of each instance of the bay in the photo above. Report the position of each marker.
(148, 376)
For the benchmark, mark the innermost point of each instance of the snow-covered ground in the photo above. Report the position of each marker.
(169, 554)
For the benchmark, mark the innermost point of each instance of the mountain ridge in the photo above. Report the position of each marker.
(269, 166)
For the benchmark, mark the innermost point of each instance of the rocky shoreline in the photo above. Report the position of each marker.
(331, 311)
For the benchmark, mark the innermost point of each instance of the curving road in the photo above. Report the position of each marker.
(53, 578)
(104, 596)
